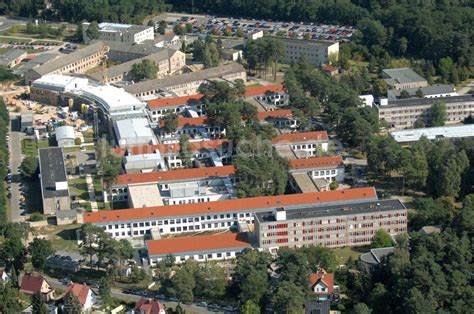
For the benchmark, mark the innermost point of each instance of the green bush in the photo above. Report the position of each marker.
(37, 217)
(333, 186)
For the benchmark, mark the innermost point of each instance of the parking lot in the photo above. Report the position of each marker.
(203, 24)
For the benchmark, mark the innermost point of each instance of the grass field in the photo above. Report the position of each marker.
(29, 147)
(343, 254)
(79, 188)
(63, 238)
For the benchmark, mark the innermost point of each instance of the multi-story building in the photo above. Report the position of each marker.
(78, 61)
(219, 215)
(200, 248)
(403, 78)
(432, 91)
(49, 88)
(187, 84)
(302, 145)
(433, 134)
(132, 34)
(168, 61)
(332, 225)
(317, 53)
(309, 174)
(273, 95)
(195, 128)
(404, 113)
(281, 118)
(53, 179)
(123, 52)
(182, 186)
(166, 156)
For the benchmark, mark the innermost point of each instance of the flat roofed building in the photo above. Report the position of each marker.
(403, 78)
(218, 215)
(404, 113)
(201, 248)
(131, 132)
(27, 122)
(304, 144)
(183, 186)
(78, 61)
(436, 133)
(49, 88)
(53, 178)
(144, 196)
(12, 57)
(127, 33)
(187, 84)
(317, 53)
(432, 91)
(329, 225)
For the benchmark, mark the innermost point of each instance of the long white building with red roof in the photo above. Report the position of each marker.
(219, 215)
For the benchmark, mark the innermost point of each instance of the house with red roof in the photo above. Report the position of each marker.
(302, 144)
(31, 284)
(84, 294)
(322, 284)
(330, 70)
(148, 306)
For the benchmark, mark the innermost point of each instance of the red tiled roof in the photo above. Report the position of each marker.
(302, 137)
(173, 102)
(174, 175)
(182, 122)
(31, 284)
(148, 306)
(80, 291)
(315, 162)
(328, 68)
(281, 113)
(198, 243)
(261, 90)
(229, 205)
(171, 148)
(325, 278)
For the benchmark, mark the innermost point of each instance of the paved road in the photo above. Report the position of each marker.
(134, 298)
(15, 162)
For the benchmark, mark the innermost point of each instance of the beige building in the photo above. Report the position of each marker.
(400, 114)
(317, 53)
(123, 52)
(187, 84)
(168, 61)
(126, 33)
(329, 225)
(79, 61)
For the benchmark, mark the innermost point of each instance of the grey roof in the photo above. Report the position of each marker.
(413, 135)
(376, 256)
(64, 60)
(317, 306)
(124, 68)
(39, 60)
(428, 90)
(403, 75)
(11, 55)
(27, 117)
(428, 101)
(203, 75)
(316, 43)
(337, 210)
(52, 169)
(140, 49)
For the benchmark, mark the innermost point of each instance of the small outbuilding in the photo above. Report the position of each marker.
(65, 136)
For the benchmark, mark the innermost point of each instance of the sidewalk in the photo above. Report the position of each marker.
(91, 190)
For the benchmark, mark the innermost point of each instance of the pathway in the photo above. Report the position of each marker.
(91, 190)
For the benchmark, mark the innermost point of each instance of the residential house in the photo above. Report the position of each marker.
(31, 284)
(322, 284)
(84, 294)
(148, 306)
(302, 144)
(376, 256)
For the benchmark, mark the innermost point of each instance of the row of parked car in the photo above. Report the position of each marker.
(162, 297)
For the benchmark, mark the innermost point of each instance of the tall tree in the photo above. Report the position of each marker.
(185, 151)
(71, 304)
(382, 239)
(438, 114)
(170, 122)
(289, 297)
(38, 304)
(92, 31)
(9, 299)
(40, 250)
(104, 290)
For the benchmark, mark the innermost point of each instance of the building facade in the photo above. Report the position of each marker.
(219, 215)
(127, 33)
(400, 114)
(331, 226)
(317, 53)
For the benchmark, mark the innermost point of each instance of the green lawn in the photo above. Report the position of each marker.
(343, 254)
(29, 147)
(79, 188)
(63, 238)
